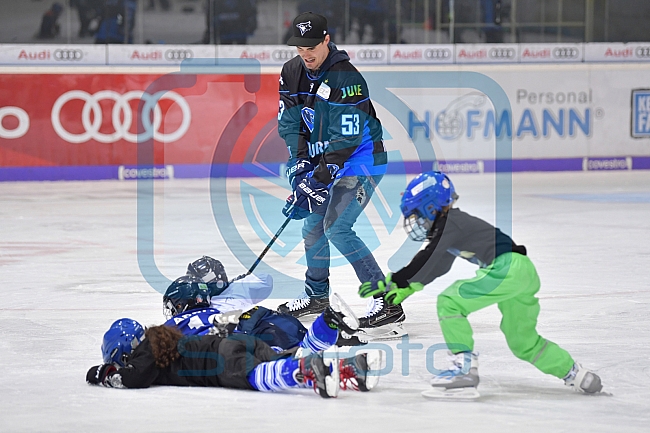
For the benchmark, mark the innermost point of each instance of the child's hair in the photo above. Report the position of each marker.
(164, 342)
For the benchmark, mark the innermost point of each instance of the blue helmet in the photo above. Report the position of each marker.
(120, 340)
(423, 198)
(185, 293)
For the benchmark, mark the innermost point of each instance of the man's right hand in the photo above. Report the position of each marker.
(298, 171)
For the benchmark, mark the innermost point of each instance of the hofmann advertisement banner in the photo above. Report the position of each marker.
(90, 125)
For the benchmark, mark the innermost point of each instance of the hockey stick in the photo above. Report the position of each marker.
(268, 247)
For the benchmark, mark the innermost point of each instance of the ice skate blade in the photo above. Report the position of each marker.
(387, 332)
(595, 394)
(467, 393)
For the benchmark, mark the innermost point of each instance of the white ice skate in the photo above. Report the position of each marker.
(321, 370)
(343, 316)
(582, 380)
(362, 371)
(459, 381)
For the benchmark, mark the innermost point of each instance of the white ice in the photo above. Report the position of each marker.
(69, 268)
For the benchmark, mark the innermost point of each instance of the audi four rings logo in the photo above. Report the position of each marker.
(370, 54)
(502, 53)
(60, 54)
(283, 55)
(642, 51)
(437, 54)
(565, 53)
(178, 54)
(122, 116)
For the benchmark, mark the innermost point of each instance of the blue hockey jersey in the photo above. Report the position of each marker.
(195, 322)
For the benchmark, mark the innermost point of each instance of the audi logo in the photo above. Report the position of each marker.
(502, 53)
(60, 54)
(437, 53)
(122, 116)
(565, 53)
(23, 122)
(178, 54)
(283, 55)
(370, 54)
(642, 51)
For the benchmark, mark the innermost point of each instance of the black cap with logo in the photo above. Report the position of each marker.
(309, 30)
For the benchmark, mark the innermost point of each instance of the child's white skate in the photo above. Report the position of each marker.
(582, 380)
(459, 381)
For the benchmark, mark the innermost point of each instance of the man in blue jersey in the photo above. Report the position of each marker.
(336, 159)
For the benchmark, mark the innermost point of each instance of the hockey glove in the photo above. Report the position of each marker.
(290, 211)
(397, 295)
(369, 289)
(297, 172)
(308, 196)
(97, 375)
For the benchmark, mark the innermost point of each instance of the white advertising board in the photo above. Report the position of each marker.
(366, 54)
(617, 52)
(487, 53)
(421, 54)
(265, 54)
(63, 54)
(157, 55)
(554, 113)
(551, 53)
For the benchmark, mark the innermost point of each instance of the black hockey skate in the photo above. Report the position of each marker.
(361, 373)
(349, 340)
(322, 369)
(304, 306)
(382, 322)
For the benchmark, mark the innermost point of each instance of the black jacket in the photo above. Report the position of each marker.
(205, 361)
(456, 234)
(327, 116)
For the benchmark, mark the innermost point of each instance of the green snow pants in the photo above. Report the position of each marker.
(511, 282)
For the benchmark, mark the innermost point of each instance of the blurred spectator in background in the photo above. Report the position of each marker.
(49, 26)
(117, 22)
(372, 13)
(230, 21)
(164, 4)
(493, 14)
(88, 11)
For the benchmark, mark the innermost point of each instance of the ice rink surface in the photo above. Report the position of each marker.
(69, 268)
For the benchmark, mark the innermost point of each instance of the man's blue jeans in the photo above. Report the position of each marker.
(333, 223)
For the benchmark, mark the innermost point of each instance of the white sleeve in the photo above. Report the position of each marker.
(244, 294)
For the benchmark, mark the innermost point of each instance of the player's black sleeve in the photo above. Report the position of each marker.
(456, 234)
(289, 115)
(140, 372)
(432, 261)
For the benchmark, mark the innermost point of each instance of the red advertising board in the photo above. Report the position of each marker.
(96, 119)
